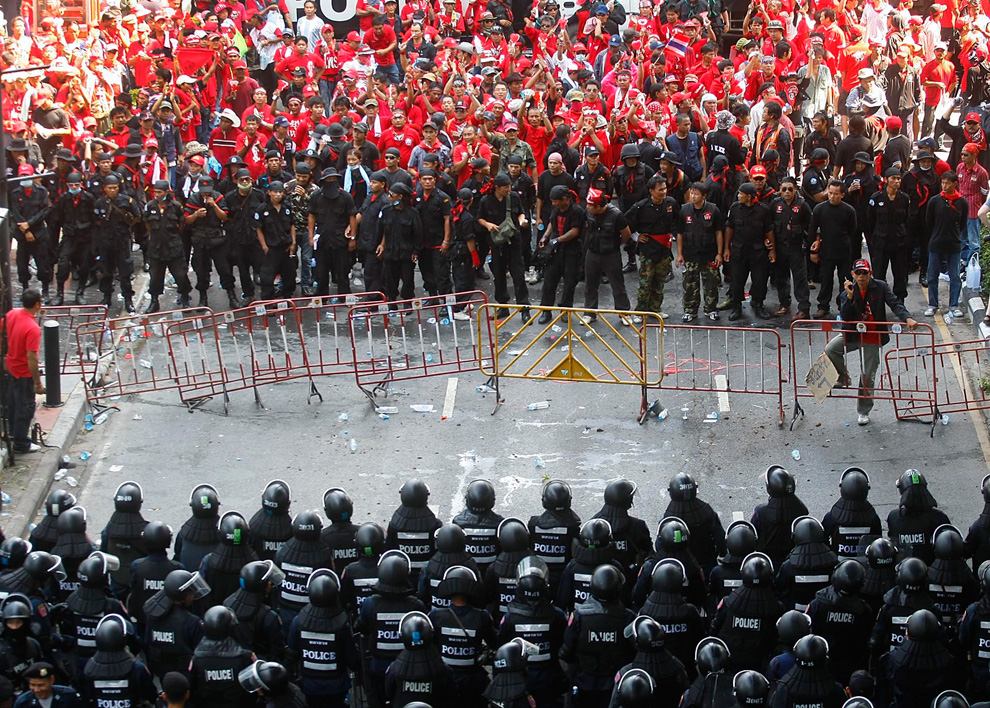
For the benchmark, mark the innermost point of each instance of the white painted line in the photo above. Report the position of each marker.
(737, 516)
(448, 401)
(721, 385)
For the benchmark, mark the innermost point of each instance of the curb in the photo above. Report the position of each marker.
(977, 310)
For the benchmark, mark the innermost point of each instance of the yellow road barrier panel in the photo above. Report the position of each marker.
(600, 346)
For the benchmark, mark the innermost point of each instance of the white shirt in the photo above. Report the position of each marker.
(310, 29)
(269, 31)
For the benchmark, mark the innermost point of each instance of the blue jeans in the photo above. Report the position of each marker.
(305, 269)
(935, 263)
(971, 244)
(392, 70)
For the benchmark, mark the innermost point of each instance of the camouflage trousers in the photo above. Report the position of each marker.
(652, 276)
(710, 281)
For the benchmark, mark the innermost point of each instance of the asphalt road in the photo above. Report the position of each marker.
(588, 435)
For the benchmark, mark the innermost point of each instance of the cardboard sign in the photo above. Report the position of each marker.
(821, 377)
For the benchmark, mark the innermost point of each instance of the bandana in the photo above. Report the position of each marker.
(724, 120)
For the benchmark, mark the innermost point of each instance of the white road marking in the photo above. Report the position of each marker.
(448, 401)
(737, 516)
(721, 384)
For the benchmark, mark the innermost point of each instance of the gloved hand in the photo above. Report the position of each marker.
(475, 259)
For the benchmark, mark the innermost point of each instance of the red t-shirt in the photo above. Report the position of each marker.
(310, 61)
(376, 43)
(23, 336)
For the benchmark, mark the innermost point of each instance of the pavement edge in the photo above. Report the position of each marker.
(977, 309)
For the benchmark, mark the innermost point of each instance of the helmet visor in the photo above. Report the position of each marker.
(57, 569)
(111, 563)
(532, 565)
(196, 586)
(274, 574)
(249, 678)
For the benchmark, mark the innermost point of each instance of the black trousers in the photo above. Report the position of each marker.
(115, 255)
(457, 276)
(372, 272)
(509, 258)
(392, 273)
(746, 263)
(566, 263)
(176, 266)
(898, 259)
(430, 265)
(611, 265)
(920, 236)
(829, 266)
(20, 410)
(791, 261)
(40, 251)
(74, 253)
(205, 258)
(335, 260)
(246, 257)
(278, 262)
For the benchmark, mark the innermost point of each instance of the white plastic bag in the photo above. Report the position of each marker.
(974, 273)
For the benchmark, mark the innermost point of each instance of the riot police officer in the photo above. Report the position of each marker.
(682, 622)
(171, 631)
(320, 643)
(339, 535)
(508, 686)
(746, 619)
(418, 672)
(113, 677)
(36, 580)
(148, 574)
(809, 565)
(480, 523)
(271, 681)
(44, 535)
(73, 546)
(920, 668)
(217, 660)
(499, 584)
(258, 625)
(809, 682)
(297, 559)
(974, 640)
(750, 688)
(912, 525)
(18, 648)
(791, 626)
(740, 541)
(464, 630)
(530, 616)
(592, 548)
(653, 657)
(13, 551)
(634, 689)
(881, 572)
(673, 541)
(773, 520)
(591, 641)
(712, 688)
(358, 579)
(271, 525)
(707, 534)
(852, 516)
(121, 536)
(843, 619)
(378, 621)
(199, 534)
(412, 526)
(552, 532)
(221, 568)
(978, 536)
(630, 535)
(451, 545)
(950, 581)
(908, 596)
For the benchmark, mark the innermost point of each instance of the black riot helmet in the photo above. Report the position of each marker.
(16, 606)
(740, 539)
(480, 496)
(923, 626)
(416, 630)
(180, 584)
(512, 656)
(556, 496)
(275, 498)
(218, 623)
(750, 688)
(807, 529)
(912, 575)
(94, 571)
(450, 538)
(682, 487)
(595, 533)
(323, 588)
(635, 689)
(673, 534)
(459, 580)
(983, 574)
(757, 570)
(854, 484)
(711, 655)
(157, 536)
(58, 501)
(414, 494)
(531, 578)
(266, 677)
(129, 497)
(811, 651)
(513, 535)
(13, 551)
(985, 488)
(619, 493)
(950, 699)
(848, 577)
(914, 491)
(881, 552)
(393, 573)
(338, 505)
(791, 626)
(668, 576)
(256, 576)
(307, 526)
(233, 529)
(646, 633)
(780, 482)
(111, 634)
(948, 543)
(370, 540)
(858, 702)
(606, 583)
(42, 566)
(72, 521)
(204, 502)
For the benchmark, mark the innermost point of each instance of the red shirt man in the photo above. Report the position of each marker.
(400, 136)
(23, 339)
(379, 38)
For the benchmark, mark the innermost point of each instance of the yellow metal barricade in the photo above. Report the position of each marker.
(611, 348)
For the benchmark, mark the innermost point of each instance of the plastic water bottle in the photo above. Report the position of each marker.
(353, 445)
(342, 418)
(101, 418)
(312, 262)
(89, 422)
(84, 456)
(539, 463)
(796, 454)
(538, 406)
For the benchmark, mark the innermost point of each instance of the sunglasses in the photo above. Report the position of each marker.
(861, 272)
(787, 189)
(760, 179)
(391, 157)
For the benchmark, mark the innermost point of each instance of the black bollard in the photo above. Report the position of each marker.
(53, 365)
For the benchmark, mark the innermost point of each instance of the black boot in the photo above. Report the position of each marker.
(44, 295)
(79, 293)
(630, 266)
(184, 301)
(545, 317)
(232, 300)
(128, 304)
(153, 306)
(107, 299)
(59, 300)
(204, 301)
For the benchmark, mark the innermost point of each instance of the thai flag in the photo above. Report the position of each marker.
(677, 44)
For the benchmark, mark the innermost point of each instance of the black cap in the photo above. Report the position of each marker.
(74, 178)
(502, 180)
(276, 186)
(862, 157)
(400, 188)
(393, 151)
(379, 176)
(303, 168)
(427, 172)
(39, 670)
(329, 173)
(479, 163)
(242, 173)
(748, 188)
(272, 153)
(515, 160)
(206, 179)
(161, 184)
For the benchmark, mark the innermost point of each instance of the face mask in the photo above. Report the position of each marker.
(75, 190)
(924, 169)
(244, 188)
(163, 198)
(28, 188)
(581, 57)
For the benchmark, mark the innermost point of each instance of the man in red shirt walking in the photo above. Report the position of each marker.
(381, 38)
(23, 378)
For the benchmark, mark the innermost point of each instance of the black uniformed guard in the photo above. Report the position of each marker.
(450, 551)
(73, 547)
(258, 625)
(205, 212)
(378, 621)
(163, 218)
(358, 579)
(810, 682)
(908, 596)
(464, 631)
(791, 219)
(564, 233)
(171, 630)
(553, 531)
(888, 233)
(653, 658)
(271, 681)
(713, 686)
(302, 554)
(673, 541)
(30, 209)
(844, 620)
(852, 516)
(881, 572)
(974, 640)
(978, 535)
(115, 213)
(919, 669)
(740, 541)
(221, 569)
(630, 535)
(400, 243)
(682, 622)
(75, 213)
(750, 251)
(243, 200)
(606, 231)
(148, 574)
(773, 520)
(271, 525)
(44, 693)
(747, 619)
(592, 548)
(501, 206)
(500, 577)
(412, 526)
(112, 676)
(199, 534)
(480, 523)
(18, 647)
(911, 525)
(332, 232)
(418, 673)
(321, 648)
(367, 237)
(121, 536)
(791, 626)
(276, 234)
(217, 661)
(700, 245)
(434, 212)
(508, 686)
(950, 581)
(809, 565)
(43, 535)
(592, 650)
(707, 539)
(458, 269)
(339, 535)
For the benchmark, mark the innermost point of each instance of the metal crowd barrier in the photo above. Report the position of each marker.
(76, 358)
